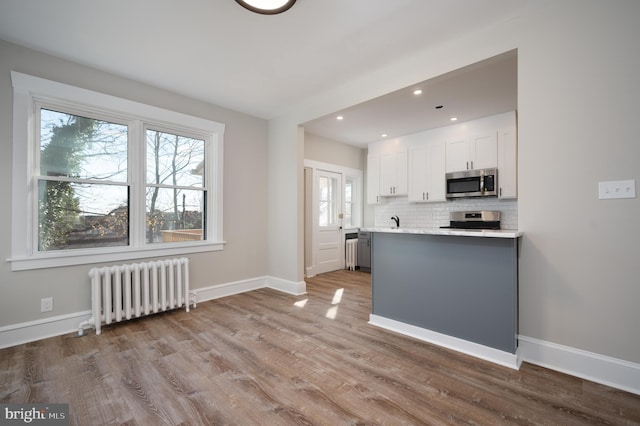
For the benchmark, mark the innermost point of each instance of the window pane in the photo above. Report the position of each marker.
(72, 215)
(174, 215)
(327, 214)
(174, 160)
(80, 147)
(348, 191)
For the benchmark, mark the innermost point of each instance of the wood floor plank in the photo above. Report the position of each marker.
(266, 357)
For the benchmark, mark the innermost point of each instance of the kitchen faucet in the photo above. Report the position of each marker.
(397, 220)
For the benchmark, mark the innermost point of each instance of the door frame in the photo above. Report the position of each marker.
(311, 205)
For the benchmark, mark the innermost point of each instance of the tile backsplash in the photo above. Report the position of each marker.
(434, 215)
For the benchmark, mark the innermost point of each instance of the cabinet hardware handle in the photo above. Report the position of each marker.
(471, 164)
(501, 192)
(427, 196)
(467, 165)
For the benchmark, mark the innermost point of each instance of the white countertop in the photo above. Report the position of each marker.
(487, 233)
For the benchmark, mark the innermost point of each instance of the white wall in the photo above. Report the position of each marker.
(577, 107)
(245, 192)
(325, 150)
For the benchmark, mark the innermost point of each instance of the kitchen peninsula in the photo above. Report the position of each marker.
(455, 288)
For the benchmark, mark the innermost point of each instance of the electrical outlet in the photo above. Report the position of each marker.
(617, 189)
(46, 304)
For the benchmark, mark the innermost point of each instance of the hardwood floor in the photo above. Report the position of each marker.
(269, 358)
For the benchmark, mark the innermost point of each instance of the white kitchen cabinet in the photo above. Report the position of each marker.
(373, 179)
(472, 152)
(426, 181)
(508, 163)
(393, 173)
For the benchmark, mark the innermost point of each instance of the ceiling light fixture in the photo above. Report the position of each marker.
(339, 117)
(266, 7)
(417, 92)
(384, 135)
(454, 118)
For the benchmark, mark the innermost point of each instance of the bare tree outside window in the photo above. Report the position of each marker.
(82, 183)
(175, 187)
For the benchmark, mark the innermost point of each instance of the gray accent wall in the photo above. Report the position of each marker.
(465, 287)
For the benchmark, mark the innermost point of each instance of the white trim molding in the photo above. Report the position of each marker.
(286, 286)
(30, 95)
(617, 373)
(203, 294)
(31, 331)
(474, 349)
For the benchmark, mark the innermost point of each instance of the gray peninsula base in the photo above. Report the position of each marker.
(465, 287)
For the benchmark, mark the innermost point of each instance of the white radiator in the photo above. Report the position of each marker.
(351, 254)
(130, 291)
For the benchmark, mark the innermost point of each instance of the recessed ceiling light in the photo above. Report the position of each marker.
(454, 118)
(384, 135)
(417, 92)
(339, 117)
(266, 7)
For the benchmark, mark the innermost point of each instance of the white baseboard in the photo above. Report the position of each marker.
(474, 349)
(228, 289)
(291, 287)
(617, 373)
(31, 331)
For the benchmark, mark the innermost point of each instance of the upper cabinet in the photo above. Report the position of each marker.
(393, 173)
(472, 152)
(427, 173)
(415, 165)
(508, 163)
(373, 179)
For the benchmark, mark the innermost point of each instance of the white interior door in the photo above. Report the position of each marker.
(328, 220)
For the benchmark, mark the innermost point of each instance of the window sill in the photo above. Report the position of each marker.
(85, 257)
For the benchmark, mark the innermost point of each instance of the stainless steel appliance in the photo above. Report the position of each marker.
(472, 183)
(483, 219)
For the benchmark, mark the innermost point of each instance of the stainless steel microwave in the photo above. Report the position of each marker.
(472, 183)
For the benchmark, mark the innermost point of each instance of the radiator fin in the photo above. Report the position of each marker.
(351, 254)
(124, 292)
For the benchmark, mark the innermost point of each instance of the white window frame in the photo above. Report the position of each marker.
(355, 175)
(28, 93)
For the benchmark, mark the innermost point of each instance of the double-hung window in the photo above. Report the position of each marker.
(99, 178)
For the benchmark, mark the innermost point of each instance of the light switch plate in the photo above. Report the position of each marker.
(617, 189)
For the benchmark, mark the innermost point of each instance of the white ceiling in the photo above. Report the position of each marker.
(486, 88)
(218, 52)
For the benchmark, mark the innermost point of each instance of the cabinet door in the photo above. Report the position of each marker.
(508, 163)
(436, 182)
(417, 179)
(387, 174)
(484, 151)
(373, 179)
(457, 155)
(401, 173)
(393, 174)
